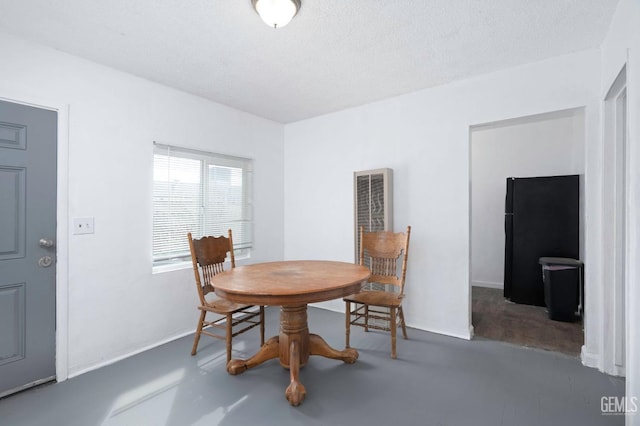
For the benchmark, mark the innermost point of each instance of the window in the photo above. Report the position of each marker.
(201, 193)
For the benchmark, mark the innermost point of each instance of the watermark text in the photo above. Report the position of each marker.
(619, 405)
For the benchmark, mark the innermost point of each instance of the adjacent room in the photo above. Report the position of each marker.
(130, 131)
(547, 149)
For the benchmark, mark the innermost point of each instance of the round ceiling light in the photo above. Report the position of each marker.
(276, 13)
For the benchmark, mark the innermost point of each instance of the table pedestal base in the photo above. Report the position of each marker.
(293, 347)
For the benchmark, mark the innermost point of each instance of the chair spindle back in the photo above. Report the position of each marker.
(383, 250)
(208, 255)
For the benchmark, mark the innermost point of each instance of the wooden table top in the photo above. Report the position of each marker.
(292, 282)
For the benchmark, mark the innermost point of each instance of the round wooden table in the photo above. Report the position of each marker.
(291, 285)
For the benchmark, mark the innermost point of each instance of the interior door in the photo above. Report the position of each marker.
(28, 147)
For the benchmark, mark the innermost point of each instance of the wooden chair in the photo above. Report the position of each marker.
(208, 255)
(379, 305)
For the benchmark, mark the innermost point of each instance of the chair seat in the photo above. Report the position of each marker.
(222, 306)
(377, 298)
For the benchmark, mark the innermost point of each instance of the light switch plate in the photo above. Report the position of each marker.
(82, 225)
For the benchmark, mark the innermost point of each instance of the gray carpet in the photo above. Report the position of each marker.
(436, 380)
(498, 319)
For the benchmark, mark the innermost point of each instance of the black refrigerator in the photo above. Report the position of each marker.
(541, 220)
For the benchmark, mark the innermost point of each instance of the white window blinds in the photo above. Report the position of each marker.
(201, 193)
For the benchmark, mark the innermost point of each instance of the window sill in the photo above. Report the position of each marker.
(159, 269)
(187, 264)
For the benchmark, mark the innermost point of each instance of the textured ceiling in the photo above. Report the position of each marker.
(335, 54)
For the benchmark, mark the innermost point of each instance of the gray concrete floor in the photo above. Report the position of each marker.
(436, 380)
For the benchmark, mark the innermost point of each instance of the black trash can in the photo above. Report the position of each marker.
(562, 279)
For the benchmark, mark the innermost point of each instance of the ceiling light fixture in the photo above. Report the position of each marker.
(276, 13)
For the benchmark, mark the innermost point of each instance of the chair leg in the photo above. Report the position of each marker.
(347, 323)
(198, 332)
(393, 333)
(366, 317)
(404, 328)
(229, 336)
(261, 325)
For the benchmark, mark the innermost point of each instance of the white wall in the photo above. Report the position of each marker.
(542, 145)
(622, 46)
(424, 137)
(115, 305)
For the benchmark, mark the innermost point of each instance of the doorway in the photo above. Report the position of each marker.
(28, 189)
(549, 144)
(616, 214)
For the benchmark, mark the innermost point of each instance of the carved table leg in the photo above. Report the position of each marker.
(318, 346)
(293, 346)
(268, 351)
(295, 392)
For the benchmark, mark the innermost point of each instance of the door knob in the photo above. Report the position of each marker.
(45, 243)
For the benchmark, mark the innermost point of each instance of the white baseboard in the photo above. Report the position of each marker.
(589, 359)
(619, 371)
(465, 335)
(129, 354)
(488, 284)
